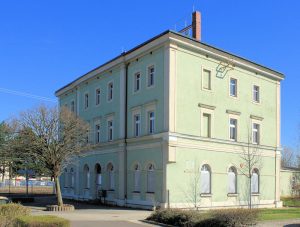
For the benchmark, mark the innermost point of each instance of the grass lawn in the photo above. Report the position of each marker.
(279, 214)
(291, 202)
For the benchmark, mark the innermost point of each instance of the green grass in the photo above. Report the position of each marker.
(291, 202)
(279, 214)
(45, 220)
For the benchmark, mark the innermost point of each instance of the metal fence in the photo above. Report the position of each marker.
(21, 187)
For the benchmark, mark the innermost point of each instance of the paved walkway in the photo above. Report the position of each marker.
(286, 223)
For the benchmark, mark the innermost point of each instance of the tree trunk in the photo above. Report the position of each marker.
(58, 191)
(250, 194)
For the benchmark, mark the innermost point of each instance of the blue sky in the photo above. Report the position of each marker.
(46, 44)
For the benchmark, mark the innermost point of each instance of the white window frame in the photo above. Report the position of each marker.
(110, 130)
(136, 81)
(150, 107)
(151, 122)
(137, 178)
(137, 125)
(236, 128)
(87, 175)
(233, 170)
(151, 173)
(258, 131)
(236, 87)
(110, 91)
(86, 100)
(111, 176)
(203, 111)
(149, 85)
(205, 168)
(203, 69)
(258, 181)
(72, 108)
(97, 97)
(97, 132)
(256, 94)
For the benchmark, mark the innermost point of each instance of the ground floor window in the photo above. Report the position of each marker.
(150, 178)
(205, 179)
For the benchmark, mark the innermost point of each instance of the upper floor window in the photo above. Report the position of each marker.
(137, 125)
(97, 128)
(233, 129)
(98, 92)
(151, 122)
(256, 95)
(255, 133)
(110, 130)
(206, 79)
(86, 101)
(151, 75)
(73, 106)
(206, 125)
(110, 91)
(233, 87)
(137, 82)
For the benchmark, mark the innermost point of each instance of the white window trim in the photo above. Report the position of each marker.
(254, 121)
(150, 108)
(109, 118)
(237, 87)
(84, 103)
(98, 88)
(253, 101)
(211, 78)
(73, 100)
(133, 87)
(136, 111)
(147, 77)
(237, 118)
(212, 116)
(107, 89)
(96, 137)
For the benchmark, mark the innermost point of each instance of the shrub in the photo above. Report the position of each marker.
(230, 218)
(42, 221)
(9, 213)
(176, 217)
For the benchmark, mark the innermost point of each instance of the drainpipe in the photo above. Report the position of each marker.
(125, 134)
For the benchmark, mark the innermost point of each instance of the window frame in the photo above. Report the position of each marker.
(149, 85)
(151, 122)
(255, 170)
(135, 80)
(203, 69)
(236, 129)
(72, 108)
(110, 91)
(98, 132)
(150, 169)
(256, 94)
(210, 179)
(236, 87)
(97, 97)
(137, 125)
(110, 130)
(232, 169)
(86, 100)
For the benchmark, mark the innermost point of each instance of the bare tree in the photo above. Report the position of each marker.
(55, 137)
(288, 157)
(250, 159)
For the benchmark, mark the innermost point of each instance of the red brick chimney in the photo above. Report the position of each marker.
(196, 25)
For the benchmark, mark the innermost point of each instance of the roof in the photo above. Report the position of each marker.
(203, 45)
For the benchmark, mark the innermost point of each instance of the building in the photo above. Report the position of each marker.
(172, 116)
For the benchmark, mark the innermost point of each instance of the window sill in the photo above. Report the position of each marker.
(255, 194)
(206, 195)
(232, 195)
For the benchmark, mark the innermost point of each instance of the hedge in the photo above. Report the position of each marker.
(42, 221)
(9, 213)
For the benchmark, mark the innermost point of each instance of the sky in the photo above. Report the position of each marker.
(47, 44)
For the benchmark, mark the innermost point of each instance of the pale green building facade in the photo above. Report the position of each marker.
(170, 120)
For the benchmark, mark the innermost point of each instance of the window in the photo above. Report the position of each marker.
(205, 178)
(111, 177)
(256, 97)
(255, 133)
(65, 178)
(233, 129)
(87, 136)
(206, 125)
(151, 116)
(151, 75)
(98, 174)
(72, 173)
(206, 80)
(86, 101)
(150, 179)
(137, 125)
(255, 181)
(110, 130)
(86, 172)
(232, 181)
(98, 96)
(137, 174)
(137, 82)
(97, 128)
(73, 106)
(233, 87)
(110, 91)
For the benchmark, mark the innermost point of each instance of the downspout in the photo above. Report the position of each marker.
(125, 134)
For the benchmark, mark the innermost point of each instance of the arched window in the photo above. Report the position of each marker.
(72, 176)
(150, 179)
(232, 180)
(98, 174)
(255, 181)
(65, 178)
(86, 172)
(137, 174)
(111, 176)
(205, 179)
